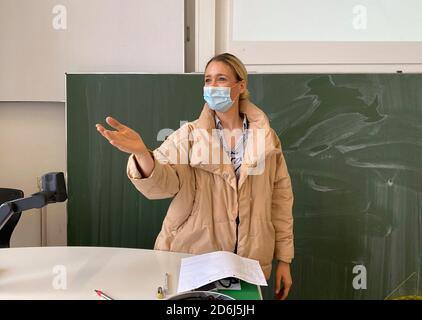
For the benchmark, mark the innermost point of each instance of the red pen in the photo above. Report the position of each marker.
(103, 295)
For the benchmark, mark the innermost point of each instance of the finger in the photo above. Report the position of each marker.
(277, 286)
(102, 131)
(114, 123)
(279, 294)
(109, 135)
(278, 281)
(99, 127)
(286, 291)
(120, 145)
(112, 140)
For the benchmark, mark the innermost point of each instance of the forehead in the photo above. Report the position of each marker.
(219, 68)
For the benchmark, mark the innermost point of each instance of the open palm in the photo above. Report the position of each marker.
(124, 138)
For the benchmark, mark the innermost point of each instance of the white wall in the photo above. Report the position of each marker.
(101, 36)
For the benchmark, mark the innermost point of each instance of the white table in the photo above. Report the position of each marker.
(75, 272)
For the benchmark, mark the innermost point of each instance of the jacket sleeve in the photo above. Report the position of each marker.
(281, 214)
(165, 179)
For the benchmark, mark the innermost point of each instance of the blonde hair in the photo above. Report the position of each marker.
(238, 68)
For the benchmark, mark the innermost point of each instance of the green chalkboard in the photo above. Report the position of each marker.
(353, 146)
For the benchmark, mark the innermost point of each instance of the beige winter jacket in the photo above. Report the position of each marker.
(207, 198)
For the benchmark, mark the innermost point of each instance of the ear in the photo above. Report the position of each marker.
(242, 86)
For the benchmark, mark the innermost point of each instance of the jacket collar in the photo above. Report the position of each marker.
(207, 137)
(256, 117)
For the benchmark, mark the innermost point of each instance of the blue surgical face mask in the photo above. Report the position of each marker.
(218, 98)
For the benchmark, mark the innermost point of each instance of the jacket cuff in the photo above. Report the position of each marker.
(285, 260)
(284, 254)
(144, 183)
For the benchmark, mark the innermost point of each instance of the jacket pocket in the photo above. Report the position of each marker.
(193, 213)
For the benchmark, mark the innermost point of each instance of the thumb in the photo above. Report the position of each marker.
(277, 285)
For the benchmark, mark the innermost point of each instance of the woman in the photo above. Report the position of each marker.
(241, 202)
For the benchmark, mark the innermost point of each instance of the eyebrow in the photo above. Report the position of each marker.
(217, 75)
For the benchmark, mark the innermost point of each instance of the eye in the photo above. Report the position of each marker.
(221, 79)
(207, 80)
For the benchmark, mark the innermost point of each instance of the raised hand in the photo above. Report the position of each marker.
(129, 141)
(124, 138)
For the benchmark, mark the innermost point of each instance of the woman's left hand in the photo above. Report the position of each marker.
(283, 280)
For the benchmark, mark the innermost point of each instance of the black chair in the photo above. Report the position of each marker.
(7, 230)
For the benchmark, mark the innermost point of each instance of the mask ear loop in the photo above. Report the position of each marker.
(238, 82)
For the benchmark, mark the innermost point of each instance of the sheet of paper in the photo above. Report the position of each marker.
(199, 270)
